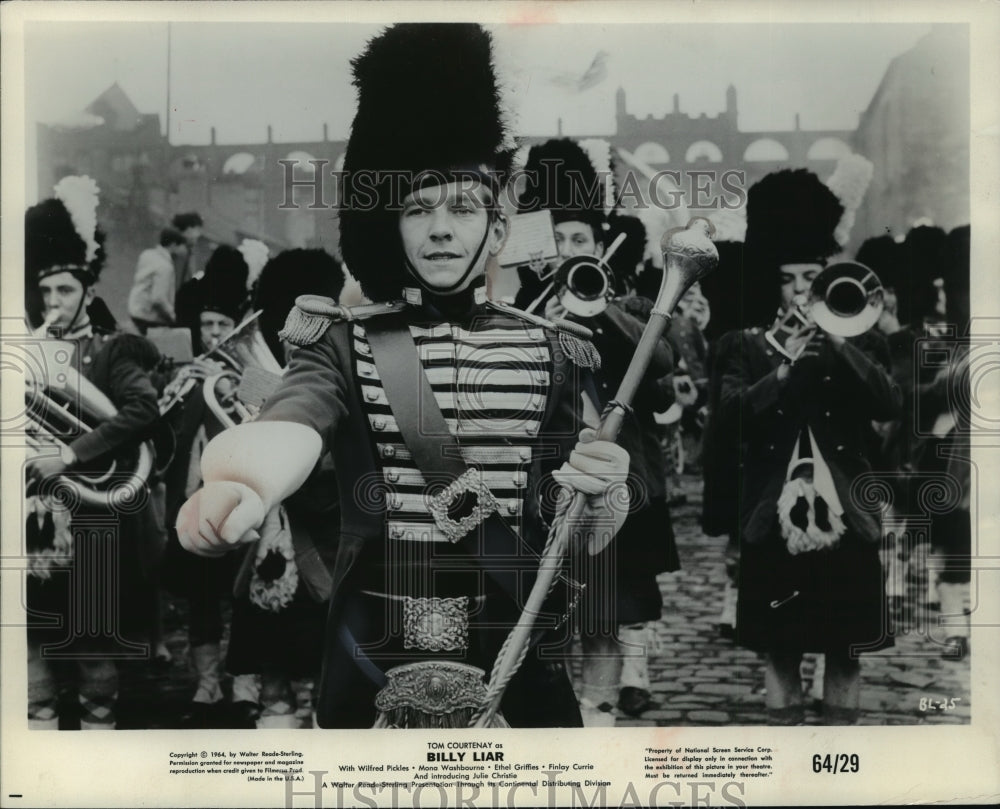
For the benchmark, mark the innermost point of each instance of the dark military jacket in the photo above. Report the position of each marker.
(841, 394)
(119, 366)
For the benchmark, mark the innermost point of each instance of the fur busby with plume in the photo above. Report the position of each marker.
(286, 276)
(791, 219)
(61, 235)
(428, 101)
(560, 177)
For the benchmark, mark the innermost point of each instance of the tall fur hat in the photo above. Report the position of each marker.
(924, 259)
(627, 258)
(560, 177)
(428, 100)
(286, 276)
(223, 288)
(883, 255)
(958, 279)
(53, 243)
(791, 218)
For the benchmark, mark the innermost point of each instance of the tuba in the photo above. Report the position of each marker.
(252, 374)
(845, 299)
(74, 405)
(243, 349)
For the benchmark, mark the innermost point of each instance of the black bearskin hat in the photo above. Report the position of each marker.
(286, 276)
(427, 101)
(560, 178)
(52, 244)
(627, 258)
(884, 255)
(924, 259)
(958, 279)
(791, 219)
(51, 241)
(734, 304)
(223, 288)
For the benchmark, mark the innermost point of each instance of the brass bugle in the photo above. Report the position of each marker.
(584, 284)
(845, 299)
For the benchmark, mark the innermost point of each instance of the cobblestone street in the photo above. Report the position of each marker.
(699, 677)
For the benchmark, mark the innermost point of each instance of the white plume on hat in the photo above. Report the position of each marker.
(79, 195)
(255, 254)
(730, 225)
(849, 181)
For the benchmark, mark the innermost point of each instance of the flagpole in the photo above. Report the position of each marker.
(168, 84)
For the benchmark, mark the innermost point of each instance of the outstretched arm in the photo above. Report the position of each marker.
(247, 470)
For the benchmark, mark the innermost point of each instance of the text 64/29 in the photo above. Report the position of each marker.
(836, 762)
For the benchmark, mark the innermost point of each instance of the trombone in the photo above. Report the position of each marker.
(585, 284)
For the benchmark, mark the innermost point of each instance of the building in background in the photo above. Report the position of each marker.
(915, 131)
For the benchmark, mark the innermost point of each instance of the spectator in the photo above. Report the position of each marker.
(150, 303)
(190, 225)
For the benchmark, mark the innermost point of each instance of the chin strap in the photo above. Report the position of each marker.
(465, 275)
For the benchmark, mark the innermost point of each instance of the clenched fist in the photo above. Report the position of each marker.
(220, 517)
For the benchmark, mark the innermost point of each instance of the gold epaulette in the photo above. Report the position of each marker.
(574, 338)
(314, 314)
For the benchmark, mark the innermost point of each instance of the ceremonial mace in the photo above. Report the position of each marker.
(689, 255)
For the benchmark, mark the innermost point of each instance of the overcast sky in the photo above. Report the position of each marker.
(240, 77)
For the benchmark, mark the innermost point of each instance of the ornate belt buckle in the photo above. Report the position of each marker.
(432, 687)
(440, 505)
(436, 624)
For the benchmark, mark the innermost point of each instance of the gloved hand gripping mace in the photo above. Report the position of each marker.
(689, 255)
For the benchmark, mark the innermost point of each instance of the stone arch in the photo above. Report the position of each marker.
(703, 150)
(828, 149)
(303, 164)
(766, 150)
(652, 152)
(239, 163)
(191, 161)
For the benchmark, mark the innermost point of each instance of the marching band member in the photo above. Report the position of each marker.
(810, 579)
(624, 594)
(204, 583)
(226, 269)
(97, 562)
(949, 395)
(280, 608)
(722, 439)
(427, 579)
(927, 441)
